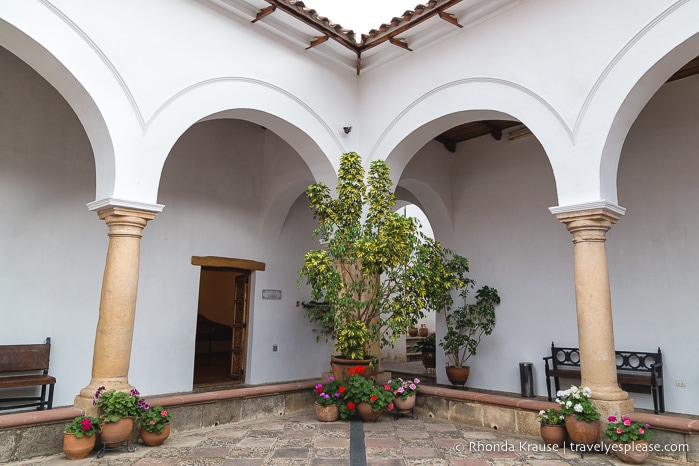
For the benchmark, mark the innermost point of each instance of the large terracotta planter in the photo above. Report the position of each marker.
(153, 439)
(458, 376)
(412, 331)
(340, 366)
(553, 435)
(327, 413)
(581, 431)
(404, 405)
(423, 331)
(634, 452)
(77, 448)
(366, 413)
(116, 433)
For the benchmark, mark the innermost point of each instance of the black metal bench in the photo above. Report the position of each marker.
(637, 371)
(26, 366)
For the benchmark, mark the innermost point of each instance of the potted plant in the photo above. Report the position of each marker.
(363, 395)
(423, 330)
(328, 397)
(428, 347)
(79, 437)
(552, 426)
(117, 412)
(630, 439)
(466, 326)
(155, 424)
(581, 415)
(405, 392)
(377, 274)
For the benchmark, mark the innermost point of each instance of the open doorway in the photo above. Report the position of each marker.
(222, 320)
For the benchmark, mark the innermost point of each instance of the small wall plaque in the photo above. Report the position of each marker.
(271, 294)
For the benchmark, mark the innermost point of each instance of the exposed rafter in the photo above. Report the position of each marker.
(264, 12)
(449, 18)
(317, 41)
(400, 43)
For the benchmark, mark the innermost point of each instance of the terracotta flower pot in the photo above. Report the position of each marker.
(634, 452)
(367, 413)
(581, 431)
(553, 435)
(458, 375)
(423, 332)
(327, 413)
(153, 439)
(116, 433)
(340, 366)
(412, 331)
(77, 448)
(429, 359)
(404, 405)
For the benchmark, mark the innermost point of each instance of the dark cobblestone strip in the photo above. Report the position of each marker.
(357, 451)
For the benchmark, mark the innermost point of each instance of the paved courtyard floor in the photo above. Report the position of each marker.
(302, 440)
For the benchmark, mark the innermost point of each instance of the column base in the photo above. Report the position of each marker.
(84, 400)
(613, 408)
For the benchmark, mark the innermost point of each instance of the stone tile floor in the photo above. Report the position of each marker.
(302, 440)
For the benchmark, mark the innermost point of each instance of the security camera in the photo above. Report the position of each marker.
(347, 129)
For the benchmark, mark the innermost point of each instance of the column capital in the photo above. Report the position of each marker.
(123, 221)
(589, 225)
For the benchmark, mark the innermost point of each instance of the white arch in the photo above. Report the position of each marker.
(627, 84)
(468, 100)
(246, 99)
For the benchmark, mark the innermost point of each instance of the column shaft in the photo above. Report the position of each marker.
(114, 335)
(593, 301)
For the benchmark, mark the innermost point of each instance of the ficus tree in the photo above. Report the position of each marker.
(377, 274)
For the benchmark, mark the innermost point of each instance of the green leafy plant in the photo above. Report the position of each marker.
(330, 393)
(576, 401)
(116, 405)
(154, 418)
(468, 323)
(551, 417)
(625, 431)
(429, 344)
(404, 388)
(83, 425)
(378, 274)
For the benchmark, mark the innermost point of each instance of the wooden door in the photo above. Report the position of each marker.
(240, 323)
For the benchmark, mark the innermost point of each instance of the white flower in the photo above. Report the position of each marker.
(578, 408)
(576, 396)
(541, 412)
(569, 404)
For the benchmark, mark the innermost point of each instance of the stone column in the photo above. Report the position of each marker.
(112, 354)
(594, 306)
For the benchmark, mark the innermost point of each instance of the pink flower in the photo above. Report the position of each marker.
(641, 431)
(386, 387)
(163, 413)
(627, 421)
(390, 406)
(618, 430)
(611, 418)
(152, 422)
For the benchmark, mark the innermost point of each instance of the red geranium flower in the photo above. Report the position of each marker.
(350, 406)
(373, 397)
(342, 389)
(360, 369)
(350, 371)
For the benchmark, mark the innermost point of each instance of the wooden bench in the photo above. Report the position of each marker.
(637, 371)
(19, 367)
